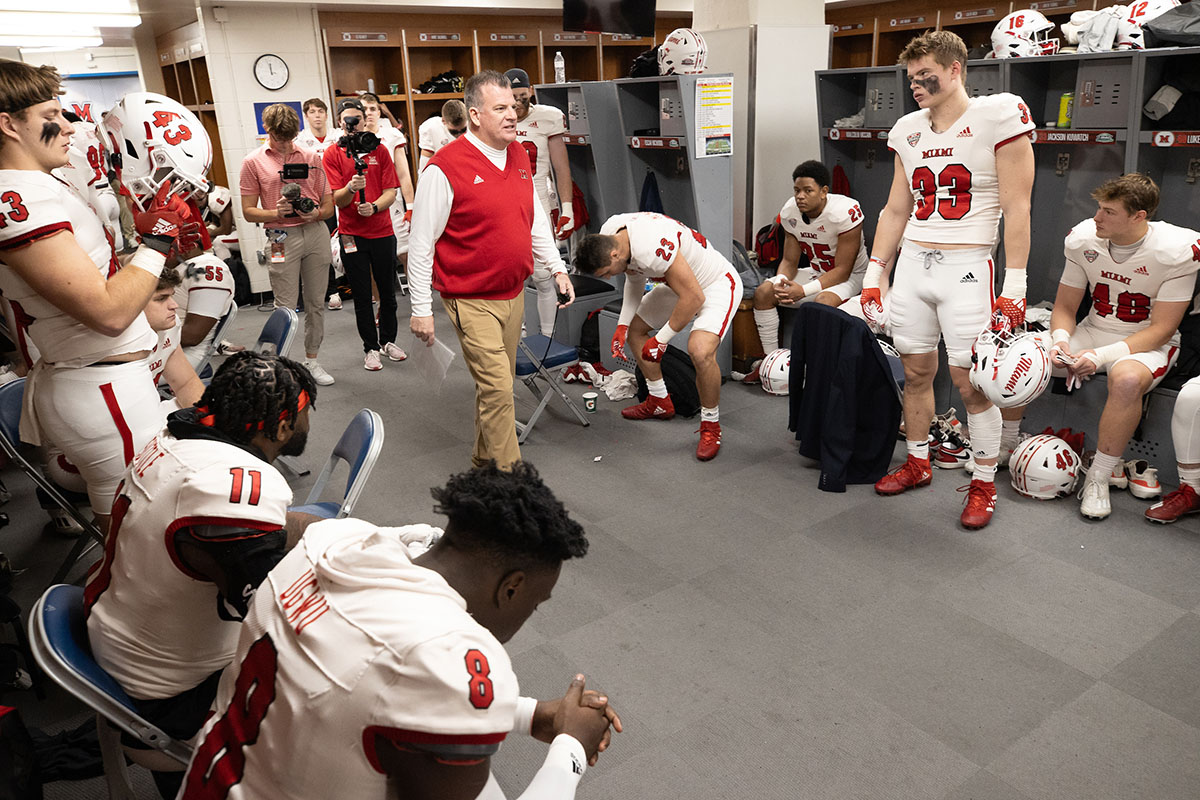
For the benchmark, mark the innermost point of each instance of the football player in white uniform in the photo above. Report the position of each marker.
(87, 171)
(437, 132)
(398, 662)
(204, 295)
(825, 231)
(960, 163)
(83, 311)
(397, 145)
(540, 129)
(317, 135)
(1141, 275)
(200, 518)
(696, 284)
(1185, 435)
(167, 359)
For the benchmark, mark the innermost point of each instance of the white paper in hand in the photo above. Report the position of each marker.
(432, 362)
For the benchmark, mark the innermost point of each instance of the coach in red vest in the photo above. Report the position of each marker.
(476, 231)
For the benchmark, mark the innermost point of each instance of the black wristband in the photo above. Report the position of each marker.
(374, 208)
(159, 244)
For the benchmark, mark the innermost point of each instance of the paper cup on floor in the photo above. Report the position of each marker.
(589, 402)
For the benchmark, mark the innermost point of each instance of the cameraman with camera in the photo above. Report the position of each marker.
(284, 189)
(363, 178)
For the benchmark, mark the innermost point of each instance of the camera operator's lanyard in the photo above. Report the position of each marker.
(278, 254)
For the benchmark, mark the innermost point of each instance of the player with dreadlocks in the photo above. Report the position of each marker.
(199, 519)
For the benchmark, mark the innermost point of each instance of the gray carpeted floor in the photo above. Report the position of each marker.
(762, 639)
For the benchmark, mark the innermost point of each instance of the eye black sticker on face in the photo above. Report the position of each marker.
(50, 131)
(931, 85)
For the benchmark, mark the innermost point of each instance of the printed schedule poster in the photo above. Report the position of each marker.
(714, 117)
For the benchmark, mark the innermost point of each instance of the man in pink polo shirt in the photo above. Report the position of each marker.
(297, 241)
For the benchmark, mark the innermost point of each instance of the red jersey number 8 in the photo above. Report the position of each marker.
(482, 693)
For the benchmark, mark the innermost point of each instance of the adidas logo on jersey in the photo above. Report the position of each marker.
(478, 179)
(969, 278)
(821, 228)
(965, 133)
(533, 124)
(1141, 271)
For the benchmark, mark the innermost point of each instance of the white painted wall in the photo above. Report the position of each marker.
(77, 63)
(290, 32)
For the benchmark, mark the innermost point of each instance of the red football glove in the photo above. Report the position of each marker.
(618, 342)
(1008, 313)
(408, 215)
(872, 306)
(653, 350)
(566, 222)
(163, 221)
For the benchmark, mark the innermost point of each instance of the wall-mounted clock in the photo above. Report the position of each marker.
(271, 71)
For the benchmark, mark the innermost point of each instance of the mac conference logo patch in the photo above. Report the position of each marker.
(1090, 255)
(913, 138)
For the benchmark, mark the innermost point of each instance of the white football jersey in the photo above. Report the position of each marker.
(391, 137)
(34, 205)
(168, 343)
(433, 135)
(534, 134)
(953, 173)
(155, 626)
(654, 242)
(207, 290)
(818, 237)
(350, 638)
(86, 169)
(309, 141)
(1162, 269)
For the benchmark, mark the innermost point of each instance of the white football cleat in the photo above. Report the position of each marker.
(1093, 498)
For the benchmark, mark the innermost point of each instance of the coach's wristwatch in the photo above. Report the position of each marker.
(374, 208)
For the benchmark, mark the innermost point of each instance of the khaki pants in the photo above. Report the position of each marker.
(488, 331)
(306, 259)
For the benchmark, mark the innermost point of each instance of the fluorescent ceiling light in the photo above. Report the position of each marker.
(66, 42)
(36, 23)
(74, 6)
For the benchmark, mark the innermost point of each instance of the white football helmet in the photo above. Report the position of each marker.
(682, 53)
(1044, 467)
(1143, 11)
(218, 200)
(1129, 36)
(155, 140)
(1022, 34)
(775, 370)
(88, 165)
(1010, 369)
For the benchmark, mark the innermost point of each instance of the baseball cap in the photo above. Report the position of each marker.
(519, 78)
(349, 102)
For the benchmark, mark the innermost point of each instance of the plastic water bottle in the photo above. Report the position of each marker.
(560, 67)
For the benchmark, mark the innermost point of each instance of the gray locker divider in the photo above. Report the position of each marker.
(1167, 156)
(568, 98)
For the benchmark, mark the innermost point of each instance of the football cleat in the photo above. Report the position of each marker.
(650, 408)
(1179, 503)
(1093, 498)
(1143, 479)
(980, 505)
(753, 377)
(913, 473)
(710, 441)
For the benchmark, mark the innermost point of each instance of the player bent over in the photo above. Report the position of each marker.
(393, 662)
(1185, 434)
(88, 391)
(1141, 275)
(699, 286)
(823, 229)
(959, 163)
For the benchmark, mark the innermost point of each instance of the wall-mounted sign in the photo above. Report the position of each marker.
(975, 13)
(896, 23)
(1052, 5)
(1175, 139)
(570, 37)
(623, 37)
(855, 27)
(1073, 137)
(439, 37)
(508, 37)
(364, 37)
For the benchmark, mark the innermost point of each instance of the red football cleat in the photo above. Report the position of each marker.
(1178, 503)
(981, 504)
(710, 441)
(911, 474)
(650, 408)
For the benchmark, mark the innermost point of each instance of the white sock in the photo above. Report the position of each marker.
(1190, 476)
(984, 429)
(1010, 431)
(710, 414)
(767, 322)
(657, 388)
(918, 449)
(1103, 465)
(984, 472)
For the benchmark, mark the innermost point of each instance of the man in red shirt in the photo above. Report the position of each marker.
(365, 227)
(297, 242)
(476, 232)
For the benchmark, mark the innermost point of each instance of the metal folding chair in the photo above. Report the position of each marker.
(11, 395)
(59, 640)
(541, 357)
(359, 447)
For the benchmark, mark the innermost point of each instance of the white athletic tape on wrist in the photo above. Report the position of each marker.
(1059, 336)
(873, 278)
(523, 716)
(812, 288)
(1109, 353)
(665, 334)
(568, 210)
(149, 260)
(1014, 284)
